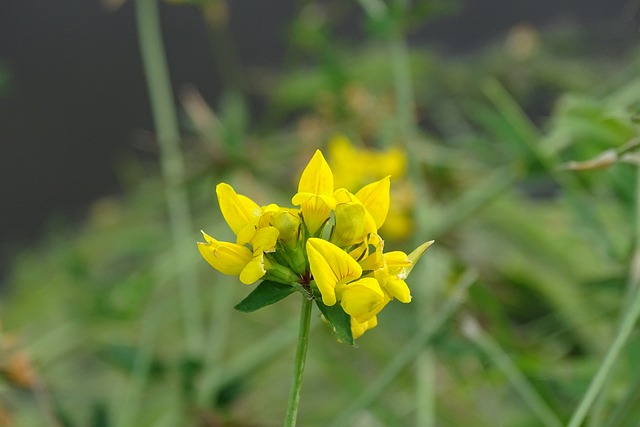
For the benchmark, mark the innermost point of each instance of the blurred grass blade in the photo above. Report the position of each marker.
(173, 169)
(472, 330)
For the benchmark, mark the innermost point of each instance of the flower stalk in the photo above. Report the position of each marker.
(299, 362)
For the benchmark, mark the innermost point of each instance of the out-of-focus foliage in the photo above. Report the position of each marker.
(91, 323)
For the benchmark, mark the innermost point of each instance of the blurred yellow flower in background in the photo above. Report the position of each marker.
(353, 167)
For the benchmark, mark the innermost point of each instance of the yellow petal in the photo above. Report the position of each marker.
(254, 270)
(362, 299)
(265, 239)
(398, 289)
(227, 258)
(237, 210)
(317, 177)
(375, 198)
(357, 328)
(350, 222)
(374, 260)
(330, 267)
(396, 259)
(314, 213)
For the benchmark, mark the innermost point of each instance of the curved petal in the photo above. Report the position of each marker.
(375, 198)
(398, 289)
(362, 299)
(254, 270)
(227, 258)
(238, 210)
(357, 328)
(330, 267)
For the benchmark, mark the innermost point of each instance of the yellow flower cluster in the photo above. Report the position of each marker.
(328, 247)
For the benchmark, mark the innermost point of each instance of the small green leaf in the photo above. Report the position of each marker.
(266, 293)
(339, 320)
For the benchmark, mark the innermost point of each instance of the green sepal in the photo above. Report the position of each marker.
(339, 321)
(266, 293)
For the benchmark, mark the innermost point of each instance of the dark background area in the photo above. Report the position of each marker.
(76, 94)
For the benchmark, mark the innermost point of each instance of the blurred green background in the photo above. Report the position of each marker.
(521, 145)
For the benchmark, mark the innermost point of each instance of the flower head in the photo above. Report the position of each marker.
(328, 248)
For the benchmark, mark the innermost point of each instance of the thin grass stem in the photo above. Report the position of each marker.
(173, 169)
(626, 328)
(474, 332)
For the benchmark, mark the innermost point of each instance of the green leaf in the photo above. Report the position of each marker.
(339, 320)
(266, 293)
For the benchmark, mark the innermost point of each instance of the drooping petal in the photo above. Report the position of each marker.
(357, 328)
(398, 289)
(330, 267)
(227, 258)
(238, 210)
(254, 270)
(375, 198)
(362, 299)
(350, 223)
(391, 277)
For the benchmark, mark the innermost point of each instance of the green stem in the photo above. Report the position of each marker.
(609, 361)
(298, 369)
(173, 170)
(630, 317)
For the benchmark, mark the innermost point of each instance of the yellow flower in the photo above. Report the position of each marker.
(397, 266)
(238, 210)
(238, 260)
(373, 197)
(362, 299)
(346, 266)
(315, 193)
(331, 268)
(338, 277)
